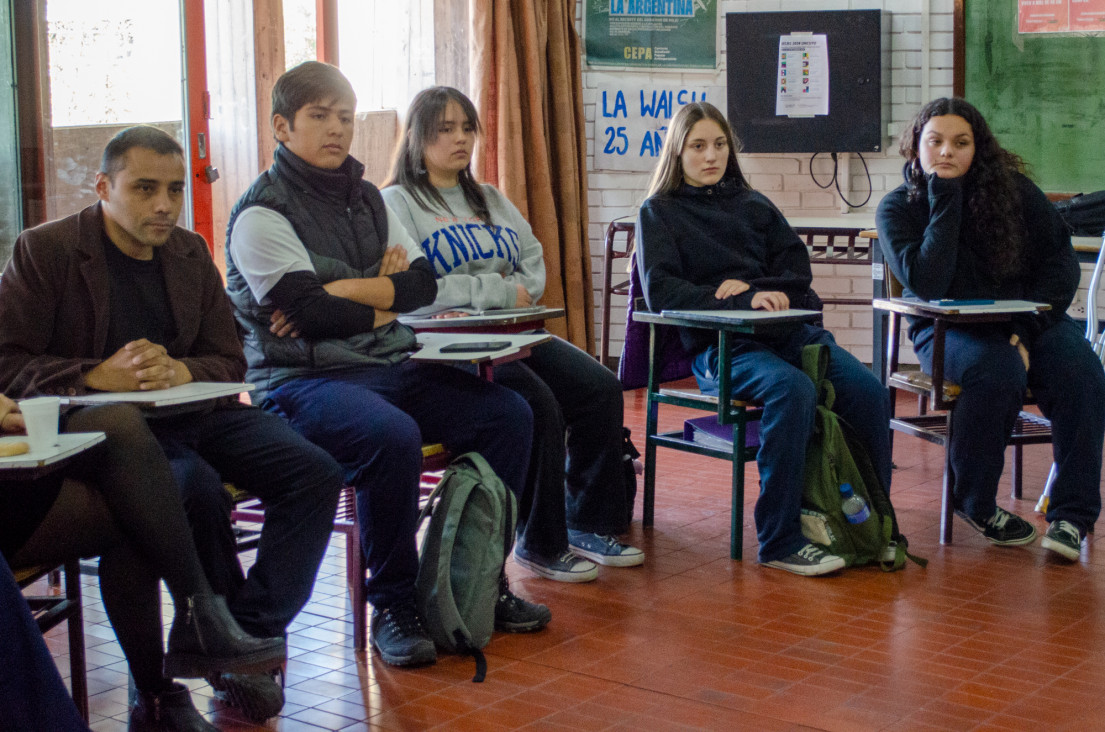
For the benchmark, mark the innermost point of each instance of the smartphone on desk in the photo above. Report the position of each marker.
(475, 347)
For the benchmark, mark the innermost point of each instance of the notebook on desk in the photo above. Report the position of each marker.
(197, 391)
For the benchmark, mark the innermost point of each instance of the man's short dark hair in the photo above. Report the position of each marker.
(307, 83)
(144, 136)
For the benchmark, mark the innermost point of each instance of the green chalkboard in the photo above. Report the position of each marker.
(1043, 95)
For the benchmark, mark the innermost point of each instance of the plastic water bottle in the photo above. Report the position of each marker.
(855, 508)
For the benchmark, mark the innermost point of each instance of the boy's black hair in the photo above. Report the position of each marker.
(309, 82)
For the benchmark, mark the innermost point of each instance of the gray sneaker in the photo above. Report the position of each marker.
(604, 549)
(809, 561)
(565, 568)
(1063, 538)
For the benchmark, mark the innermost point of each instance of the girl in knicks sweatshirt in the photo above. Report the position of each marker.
(486, 257)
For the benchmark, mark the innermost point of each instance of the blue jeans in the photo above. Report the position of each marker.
(770, 372)
(1069, 384)
(299, 485)
(373, 420)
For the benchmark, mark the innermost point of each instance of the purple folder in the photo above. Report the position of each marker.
(706, 431)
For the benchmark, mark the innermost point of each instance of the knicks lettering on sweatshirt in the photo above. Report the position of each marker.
(453, 246)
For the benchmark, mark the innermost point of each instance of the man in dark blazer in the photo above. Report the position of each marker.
(118, 298)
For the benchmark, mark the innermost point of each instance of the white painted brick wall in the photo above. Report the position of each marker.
(785, 178)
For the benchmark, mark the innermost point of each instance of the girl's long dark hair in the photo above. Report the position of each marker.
(990, 186)
(407, 167)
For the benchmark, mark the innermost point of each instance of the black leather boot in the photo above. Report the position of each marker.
(206, 639)
(169, 711)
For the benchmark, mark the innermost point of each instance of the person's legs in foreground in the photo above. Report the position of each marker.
(542, 534)
(32, 695)
(986, 366)
(789, 404)
(299, 485)
(1069, 383)
(589, 398)
(80, 524)
(133, 479)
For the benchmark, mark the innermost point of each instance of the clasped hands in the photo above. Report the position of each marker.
(138, 366)
(763, 300)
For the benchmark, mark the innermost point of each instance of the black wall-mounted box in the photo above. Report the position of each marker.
(858, 81)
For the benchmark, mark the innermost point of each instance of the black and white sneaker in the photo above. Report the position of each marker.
(1003, 528)
(566, 568)
(809, 561)
(515, 615)
(400, 637)
(1063, 538)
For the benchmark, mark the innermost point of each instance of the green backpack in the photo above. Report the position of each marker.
(836, 457)
(470, 535)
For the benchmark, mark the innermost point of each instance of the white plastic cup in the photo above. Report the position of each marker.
(41, 417)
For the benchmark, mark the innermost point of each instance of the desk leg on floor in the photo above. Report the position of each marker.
(736, 520)
(651, 407)
(725, 416)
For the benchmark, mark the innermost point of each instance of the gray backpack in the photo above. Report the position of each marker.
(470, 535)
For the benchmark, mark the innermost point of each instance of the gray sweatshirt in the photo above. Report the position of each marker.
(477, 265)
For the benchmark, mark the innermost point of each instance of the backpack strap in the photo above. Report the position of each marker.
(465, 648)
(815, 364)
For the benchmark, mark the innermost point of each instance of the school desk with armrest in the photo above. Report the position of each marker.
(834, 240)
(936, 427)
(737, 413)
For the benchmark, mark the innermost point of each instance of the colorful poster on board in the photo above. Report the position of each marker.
(656, 34)
(803, 74)
(1042, 16)
(631, 122)
(1087, 15)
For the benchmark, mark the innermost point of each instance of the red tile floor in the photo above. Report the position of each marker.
(985, 638)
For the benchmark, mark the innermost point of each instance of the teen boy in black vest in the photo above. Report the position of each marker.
(317, 271)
